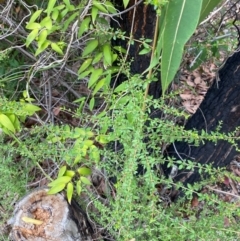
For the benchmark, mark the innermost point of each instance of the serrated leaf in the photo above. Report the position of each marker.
(62, 170)
(85, 181)
(99, 6)
(91, 45)
(56, 189)
(60, 180)
(31, 37)
(31, 220)
(56, 48)
(84, 171)
(69, 173)
(50, 6)
(181, 21)
(107, 54)
(94, 77)
(78, 187)
(69, 192)
(99, 85)
(84, 26)
(94, 13)
(85, 64)
(91, 103)
(33, 25)
(6, 122)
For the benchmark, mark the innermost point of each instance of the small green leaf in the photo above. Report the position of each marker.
(57, 189)
(107, 54)
(99, 85)
(85, 181)
(35, 16)
(125, 3)
(47, 23)
(67, 2)
(102, 139)
(85, 64)
(33, 25)
(31, 37)
(78, 187)
(109, 6)
(84, 74)
(69, 191)
(88, 143)
(84, 171)
(59, 180)
(62, 170)
(6, 122)
(31, 109)
(99, 6)
(92, 44)
(94, 154)
(144, 51)
(50, 6)
(42, 47)
(70, 173)
(121, 87)
(55, 14)
(97, 58)
(94, 77)
(94, 13)
(42, 37)
(56, 48)
(69, 20)
(17, 124)
(92, 103)
(84, 26)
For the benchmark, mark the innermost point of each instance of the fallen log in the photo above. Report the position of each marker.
(221, 104)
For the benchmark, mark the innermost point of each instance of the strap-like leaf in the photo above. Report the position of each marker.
(181, 21)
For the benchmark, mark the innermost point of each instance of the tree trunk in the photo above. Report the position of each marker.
(142, 25)
(60, 221)
(221, 103)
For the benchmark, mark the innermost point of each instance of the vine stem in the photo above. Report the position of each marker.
(152, 56)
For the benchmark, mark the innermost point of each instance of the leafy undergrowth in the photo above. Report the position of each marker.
(128, 197)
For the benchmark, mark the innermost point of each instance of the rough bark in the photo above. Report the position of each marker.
(221, 103)
(60, 221)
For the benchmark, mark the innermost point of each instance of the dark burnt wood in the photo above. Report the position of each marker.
(221, 103)
(143, 27)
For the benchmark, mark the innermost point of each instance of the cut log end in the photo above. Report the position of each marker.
(39, 216)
